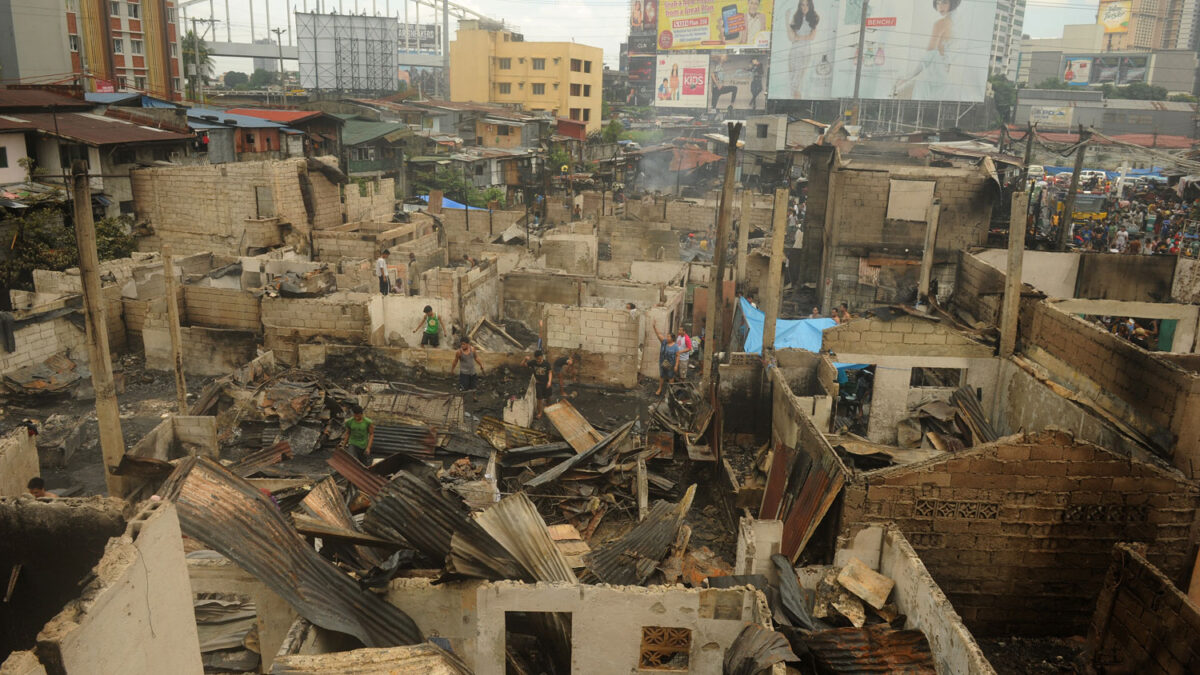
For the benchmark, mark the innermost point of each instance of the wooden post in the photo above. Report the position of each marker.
(1012, 283)
(714, 342)
(931, 228)
(1028, 155)
(173, 324)
(774, 294)
(108, 415)
(1065, 220)
(743, 238)
(643, 490)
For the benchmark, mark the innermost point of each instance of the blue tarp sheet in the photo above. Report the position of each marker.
(806, 334)
(448, 203)
(1112, 175)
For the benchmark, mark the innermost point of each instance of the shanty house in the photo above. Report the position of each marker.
(322, 131)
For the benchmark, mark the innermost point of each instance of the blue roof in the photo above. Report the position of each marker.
(448, 203)
(116, 98)
(202, 115)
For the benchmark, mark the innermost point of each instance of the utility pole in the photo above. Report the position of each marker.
(279, 40)
(716, 279)
(773, 298)
(1011, 304)
(108, 415)
(173, 326)
(195, 58)
(743, 237)
(858, 64)
(1066, 219)
(1028, 155)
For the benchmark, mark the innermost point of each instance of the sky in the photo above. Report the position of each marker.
(600, 23)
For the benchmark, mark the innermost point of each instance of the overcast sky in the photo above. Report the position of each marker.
(601, 23)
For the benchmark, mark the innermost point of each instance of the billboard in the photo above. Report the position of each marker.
(1051, 116)
(681, 81)
(714, 24)
(641, 80)
(418, 37)
(1134, 69)
(1114, 16)
(738, 81)
(643, 44)
(347, 53)
(1077, 71)
(643, 16)
(921, 50)
(424, 79)
(1105, 69)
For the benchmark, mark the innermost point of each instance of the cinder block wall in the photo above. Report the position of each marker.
(377, 204)
(340, 317)
(607, 339)
(1018, 532)
(222, 308)
(1143, 623)
(978, 288)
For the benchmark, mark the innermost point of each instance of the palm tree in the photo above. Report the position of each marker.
(191, 44)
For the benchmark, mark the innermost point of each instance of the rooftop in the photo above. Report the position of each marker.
(89, 128)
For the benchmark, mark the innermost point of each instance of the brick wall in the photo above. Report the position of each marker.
(1018, 532)
(524, 293)
(36, 342)
(378, 204)
(1143, 623)
(604, 331)
(340, 317)
(903, 336)
(978, 289)
(221, 308)
(333, 246)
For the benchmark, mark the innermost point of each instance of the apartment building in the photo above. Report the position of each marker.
(492, 64)
(1006, 37)
(105, 45)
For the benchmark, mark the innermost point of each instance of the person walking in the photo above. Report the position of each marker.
(684, 342)
(562, 366)
(381, 271)
(543, 377)
(668, 359)
(465, 359)
(410, 273)
(361, 434)
(432, 324)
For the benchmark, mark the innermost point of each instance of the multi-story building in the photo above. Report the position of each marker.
(1150, 26)
(1006, 37)
(492, 64)
(104, 45)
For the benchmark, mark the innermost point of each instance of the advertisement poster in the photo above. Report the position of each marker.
(1105, 69)
(643, 16)
(1077, 71)
(421, 78)
(1114, 16)
(1134, 68)
(804, 38)
(418, 37)
(643, 44)
(738, 81)
(641, 80)
(714, 24)
(1050, 116)
(682, 81)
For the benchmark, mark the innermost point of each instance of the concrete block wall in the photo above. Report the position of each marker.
(206, 351)
(221, 308)
(333, 246)
(571, 253)
(603, 331)
(1143, 623)
(978, 289)
(339, 317)
(904, 336)
(36, 342)
(1018, 532)
(378, 203)
(18, 462)
(525, 293)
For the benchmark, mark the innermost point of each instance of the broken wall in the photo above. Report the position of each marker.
(1143, 623)
(337, 317)
(372, 200)
(1018, 532)
(273, 615)
(473, 293)
(571, 253)
(44, 331)
(393, 318)
(18, 462)
(605, 338)
(1185, 287)
(206, 351)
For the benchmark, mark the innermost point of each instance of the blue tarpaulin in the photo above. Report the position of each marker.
(448, 203)
(806, 334)
(1155, 172)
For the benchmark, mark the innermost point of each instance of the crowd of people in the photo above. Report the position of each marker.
(1141, 332)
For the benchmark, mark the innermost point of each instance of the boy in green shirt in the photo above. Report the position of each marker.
(362, 434)
(433, 327)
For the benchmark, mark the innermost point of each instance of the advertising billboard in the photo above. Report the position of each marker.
(714, 24)
(738, 81)
(1114, 16)
(1134, 69)
(681, 81)
(643, 16)
(418, 37)
(921, 50)
(641, 80)
(1077, 71)
(1105, 69)
(643, 44)
(1051, 116)
(347, 52)
(421, 78)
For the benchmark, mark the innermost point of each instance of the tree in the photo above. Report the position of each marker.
(1182, 98)
(605, 109)
(261, 78)
(1052, 83)
(454, 185)
(190, 45)
(1138, 91)
(612, 131)
(234, 78)
(43, 241)
(1004, 94)
(560, 158)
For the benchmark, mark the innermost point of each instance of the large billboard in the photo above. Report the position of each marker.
(681, 81)
(643, 16)
(1114, 16)
(418, 37)
(1077, 71)
(348, 53)
(1134, 69)
(714, 24)
(921, 50)
(641, 80)
(1051, 116)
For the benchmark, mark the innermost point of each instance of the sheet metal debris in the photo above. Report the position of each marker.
(872, 649)
(233, 518)
(800, 489)
(572, 426)
(561, 468)
(516, 524)
(56, 375)
(755, 650)
(503, 435)
(631, 559)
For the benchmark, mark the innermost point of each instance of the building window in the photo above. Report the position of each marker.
(539, 64)
(478, 169)
(665, 648)
(3, 158)
(73, 40)
(576, 89)
(249, 139)
(114, 8)
(118, 45)
(503, 130)
(539, 89)
(174, 49)
(135, 46)
(505, 64)
(126, 207)
(175, 84)
(587, 90)
(123, 156)
(139, 82)
(363, 154)
(134, 10)
(171, 15)
(576, 65)
(587, 114)
(762, 130)
(505, 87)
(576, 114)
(587, 66)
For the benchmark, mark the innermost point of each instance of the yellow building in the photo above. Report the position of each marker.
(498, 66)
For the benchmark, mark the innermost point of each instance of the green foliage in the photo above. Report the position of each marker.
(43, 242)
(234, 78)
(1182, 98)
(605, 110)
(1052, 83)
(190, 44)
(1004, 94)
(261, 78)
(454, 185)
(559, 158)
(647, 137)
(612, 131)
(1138, 91)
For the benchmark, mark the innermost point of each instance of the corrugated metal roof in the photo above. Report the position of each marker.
(515, 523)
(573, 427)
(358, 475)
(94, 129)
(755, 650)
(282, 116)
(361, 131)
(213, 115)
(233, 518)
(871, 650)
(630, 560)
(39, 99)
(572, 462)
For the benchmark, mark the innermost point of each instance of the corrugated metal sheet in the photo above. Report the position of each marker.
(230, 516)
(572, 426)
(872, 649)
(755, 650)
(812, 487)
(571, 462)
(503, 435)
(423, 659)
(326, 502)
(358, 475)
(515, 523)
(631, 560)
(776, 480)
(260, 459)
(411, 440)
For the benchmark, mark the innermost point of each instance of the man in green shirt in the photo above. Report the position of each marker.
(433, 327)
(362, 434)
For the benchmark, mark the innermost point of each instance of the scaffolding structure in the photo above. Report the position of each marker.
(347, 53)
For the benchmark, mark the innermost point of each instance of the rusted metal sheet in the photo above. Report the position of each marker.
(755, 650)
(412, 440)
(503, 435)
(326, 503)
(515, 522)
(663, 444)
(233, 518)
(872, 650)
(630, 560)
(358, 475)
(260, 459)
(812, 486)
(776, 481)
(573, 427)
(423, 659)
(397, 402)
(562, 467)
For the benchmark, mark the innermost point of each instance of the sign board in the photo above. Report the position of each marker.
(1077, 71)
(1114, 16)
(420, 37)
(643, 16)
(1051, 116)
(714, 24)
(681, 81)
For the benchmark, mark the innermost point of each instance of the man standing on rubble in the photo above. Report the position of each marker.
(668, 359)
(411, 274)
(466, 356)
(543, 377)
(433, 327)
(563, 365)
(362, 434)
(381, 271)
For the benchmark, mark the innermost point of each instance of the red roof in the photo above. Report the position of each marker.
(39, 99)
(93, 129)
(281, 116)
(1145, 140)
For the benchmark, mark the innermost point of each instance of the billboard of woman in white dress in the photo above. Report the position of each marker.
(802, 54)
